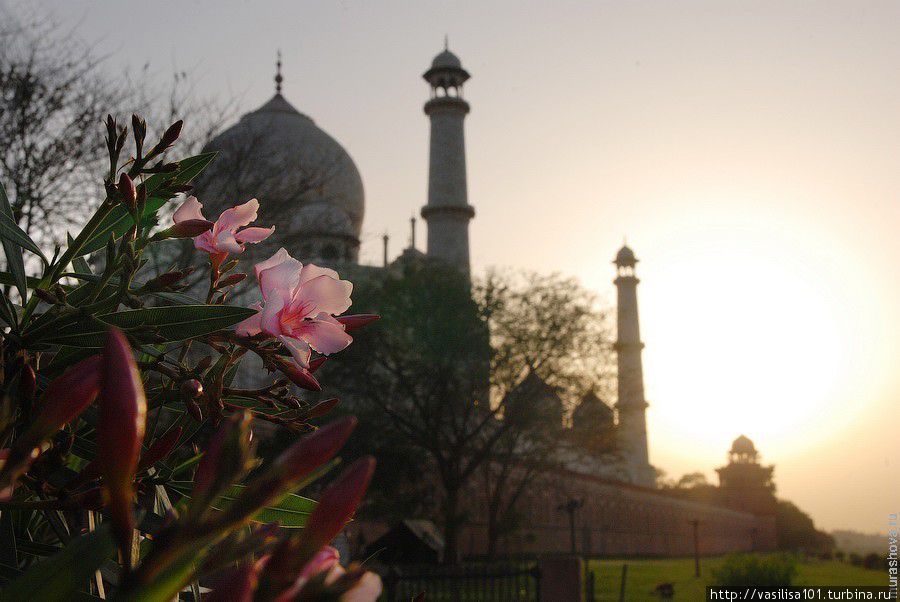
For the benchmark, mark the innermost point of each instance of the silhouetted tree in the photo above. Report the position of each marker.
(549, 344)
(54, 95)
(796, 531)
(424, 365)
(439, 368)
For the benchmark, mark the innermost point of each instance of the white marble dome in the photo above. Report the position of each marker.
(280, 156)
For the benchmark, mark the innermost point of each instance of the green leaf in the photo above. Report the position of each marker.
(291, 512)
(62, 575)
(176, 298)
(117, 223)
(79, 264)
(65, 357)
(7, 278)
(188, 169)
(10, 231)
(14, 260)
(172, 323)
(119, 220)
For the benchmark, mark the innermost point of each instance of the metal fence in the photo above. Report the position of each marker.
(464, 583)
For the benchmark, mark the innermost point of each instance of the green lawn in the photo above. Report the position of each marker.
(645, 575)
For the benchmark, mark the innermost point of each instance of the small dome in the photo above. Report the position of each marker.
(446, 60)
(592, 413)
(743, 445)
(625, 257)
(410, 257)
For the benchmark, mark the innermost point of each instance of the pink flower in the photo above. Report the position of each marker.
(228, 234)
(299, 305)
(366, 589)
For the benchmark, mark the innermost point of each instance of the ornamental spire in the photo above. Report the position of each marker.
(278, 78)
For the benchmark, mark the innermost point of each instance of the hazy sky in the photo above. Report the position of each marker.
(749, 151)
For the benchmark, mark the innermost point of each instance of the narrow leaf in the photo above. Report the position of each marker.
(79, 264)
(172, 323)
(119, 220)
(14, 260)
(62, 575)
(290, 512)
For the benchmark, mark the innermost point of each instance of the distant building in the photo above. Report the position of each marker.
(745, 484)
(310, 188)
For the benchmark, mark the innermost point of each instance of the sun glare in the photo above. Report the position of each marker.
(763, 338)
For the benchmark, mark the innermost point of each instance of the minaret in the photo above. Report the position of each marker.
(631, 406)
(448, 211)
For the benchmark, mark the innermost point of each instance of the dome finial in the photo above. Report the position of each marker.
(278, 78)
(446, 42)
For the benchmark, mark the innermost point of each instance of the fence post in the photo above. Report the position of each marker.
(562, 578)
(622, 586)
(589, 594)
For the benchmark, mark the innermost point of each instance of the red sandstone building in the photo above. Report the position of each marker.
(604, 504)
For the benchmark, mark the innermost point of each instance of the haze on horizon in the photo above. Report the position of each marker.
(748, 151)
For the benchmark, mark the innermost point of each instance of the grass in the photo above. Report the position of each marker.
(645, 575)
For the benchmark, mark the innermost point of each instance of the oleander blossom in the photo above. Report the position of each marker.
(228, 234)
(298, 307)
(327, 560)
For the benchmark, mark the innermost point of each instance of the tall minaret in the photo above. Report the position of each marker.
(448, 211)
(631, 406)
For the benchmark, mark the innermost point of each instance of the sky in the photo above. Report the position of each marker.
(747, 151)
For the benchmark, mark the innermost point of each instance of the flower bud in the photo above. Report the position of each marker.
(337, 505)
(46, 296)
(139, 127)
(191, 389)
(60, 293)
(127, 190)
(189, 228)
(110, 131)
(120, 141)
(63, 400)
(160, 448)
(120, 431)
(301, 377)
(227, 267)
(232, 280)
(316, 363)
(204, 364)
(357, 320)
(313, 450)
(322, 408)
(223, 462)
(164, 281)
(169, 278)
(171, 134)
(289, 469)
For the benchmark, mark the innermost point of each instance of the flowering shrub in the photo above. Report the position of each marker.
(127, 466)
